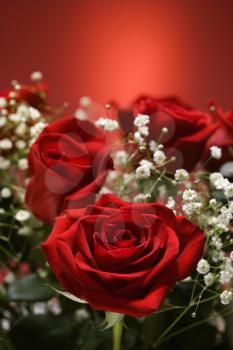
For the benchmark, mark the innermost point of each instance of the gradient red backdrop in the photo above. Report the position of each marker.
(119, 49)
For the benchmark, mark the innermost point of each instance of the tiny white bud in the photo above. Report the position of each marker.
(120, 158)
(4, 112)
(22, 215)
(153, 146)
(203, 267)
(3, 102)
(21, 129)
(36, 76)
(81, 315)
(85, 101)
(23, 164)
(216, 152)
(164, 130)
(6, 144)
(141, 120)
(24, 231)
(3, 121)
(12, 94)
(229, 190)
(80, 114)
(12, 102)
(5, 192)
(209, 279)
(213, 203)
(4, 163)
(34, 113)
(20, 144)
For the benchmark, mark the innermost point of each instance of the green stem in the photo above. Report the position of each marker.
(159, 340)
(117, 335)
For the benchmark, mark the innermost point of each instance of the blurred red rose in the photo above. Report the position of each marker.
(68, 164)
(123, 257)
(35, 95)
(188, 129)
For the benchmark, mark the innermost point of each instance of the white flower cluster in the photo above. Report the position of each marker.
(181, 176)
(221, 221)
(216, 152)
(20, 125)
(159, 156)
(192, 203)
(24, 113)
(226, 297)
(120, 158)
(36, 130)
(140, 122)
(107, 124)
(220, 183)
(171, 203)
(141, 197)
(144, 169)
(226, 273)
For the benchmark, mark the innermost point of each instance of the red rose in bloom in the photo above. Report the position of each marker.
(68, 164)
(222, 137)
(188, 129)
(123, 257)
(35, 95)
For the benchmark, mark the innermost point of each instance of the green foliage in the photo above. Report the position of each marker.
(30, 288)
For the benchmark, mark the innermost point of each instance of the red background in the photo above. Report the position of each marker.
(118, 49)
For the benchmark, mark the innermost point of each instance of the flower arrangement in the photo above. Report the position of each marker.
(133, 210)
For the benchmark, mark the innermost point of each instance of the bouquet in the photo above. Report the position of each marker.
(116, 218)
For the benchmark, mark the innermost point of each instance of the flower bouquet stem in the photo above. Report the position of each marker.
(117, 335)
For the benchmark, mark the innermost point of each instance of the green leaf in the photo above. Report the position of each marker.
(29, 288)
(112, 318)
(70, 296)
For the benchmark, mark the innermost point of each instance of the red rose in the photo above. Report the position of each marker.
(123, 257)
(222, 137)
(188, 129)
(68, 164)
(35, 95)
